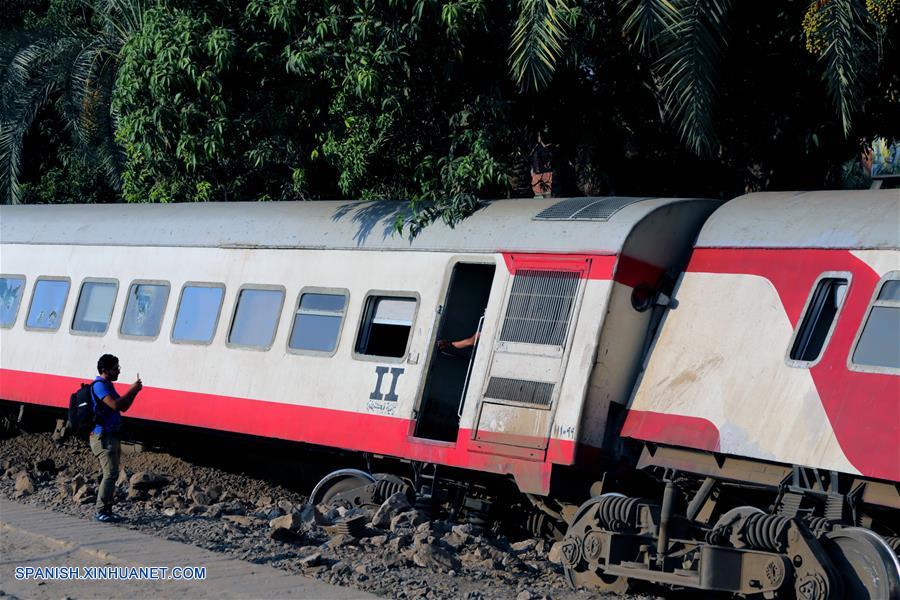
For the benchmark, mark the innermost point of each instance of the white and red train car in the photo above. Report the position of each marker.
(789, 308)
(774, 382)
(313, 322)
(759, 406)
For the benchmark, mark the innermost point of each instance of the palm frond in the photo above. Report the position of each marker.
(646, 20)
(85, 69)
(845, 40)
(121, 18)
(29, 78)
(688, 67)
(11, 41)
(80, 72)
(537, 42)
(108, 155)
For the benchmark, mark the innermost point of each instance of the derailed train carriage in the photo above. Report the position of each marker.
(721, 417)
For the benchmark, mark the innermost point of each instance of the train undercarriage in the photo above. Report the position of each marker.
(684, 520)
(815, 537)
(740, 527)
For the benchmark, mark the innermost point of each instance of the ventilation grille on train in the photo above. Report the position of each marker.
(520, 390)
(540, 306)
(585, 209)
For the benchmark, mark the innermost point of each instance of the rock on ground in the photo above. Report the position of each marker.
(394, 551)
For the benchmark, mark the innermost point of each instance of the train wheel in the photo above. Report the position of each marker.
(868, 567)
(578, 571)
(338, 482)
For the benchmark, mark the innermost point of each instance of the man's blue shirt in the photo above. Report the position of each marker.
(108, 420)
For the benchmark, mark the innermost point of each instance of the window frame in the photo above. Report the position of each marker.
(310, 289)
(206, 284)
(62, 309)
(365, 314)
(145, 338)
(873, 302)
(808, 364)
(112, 310)
(237, 301)
(19, 304)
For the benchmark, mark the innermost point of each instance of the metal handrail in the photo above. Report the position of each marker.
(462, 398)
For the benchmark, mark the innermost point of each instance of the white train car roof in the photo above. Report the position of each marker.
(596, 225)
(868, 219)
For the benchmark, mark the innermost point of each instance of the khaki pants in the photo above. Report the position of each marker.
(107, 449)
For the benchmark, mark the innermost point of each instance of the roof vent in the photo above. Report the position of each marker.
(585, 209)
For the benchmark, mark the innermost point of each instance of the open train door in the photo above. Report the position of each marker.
(530, 354)
(448, 374)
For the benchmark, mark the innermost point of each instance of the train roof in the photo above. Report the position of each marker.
(823, 219)
(595, 225)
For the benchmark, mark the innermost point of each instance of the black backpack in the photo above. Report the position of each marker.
(82, 410)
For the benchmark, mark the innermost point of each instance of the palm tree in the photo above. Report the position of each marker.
(537, 41)
(76, 70)
(686, 41)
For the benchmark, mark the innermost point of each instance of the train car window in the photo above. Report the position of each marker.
(540, 307)
(12, 287)
(256, 317)
(890, 291)
(822, 306)
(317, 322)
(386, 326)
(144, 309)
(48, 300)
(878, 342)
(95, 305)
(198, 313)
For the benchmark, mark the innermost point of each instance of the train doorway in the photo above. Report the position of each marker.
(449, 371)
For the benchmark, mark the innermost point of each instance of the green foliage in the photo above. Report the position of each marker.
(203, 100)
(537, 41)
(846, 46)
(347, 100)
(66, 175)
(175, 120)
(691, 50)
(689, 37)
(69, 59)
(648, 20)
(449, 185)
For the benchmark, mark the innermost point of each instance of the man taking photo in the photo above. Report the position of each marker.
(105, 437)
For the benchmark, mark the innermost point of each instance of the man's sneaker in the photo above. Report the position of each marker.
(105, 517)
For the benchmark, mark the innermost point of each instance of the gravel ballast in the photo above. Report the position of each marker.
(392, 550)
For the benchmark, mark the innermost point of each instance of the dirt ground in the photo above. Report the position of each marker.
(20, 548)
(260, 517)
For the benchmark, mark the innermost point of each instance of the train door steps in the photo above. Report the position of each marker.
(35, 537)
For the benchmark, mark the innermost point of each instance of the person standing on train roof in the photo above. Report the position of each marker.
(105, 438)
(542, 168)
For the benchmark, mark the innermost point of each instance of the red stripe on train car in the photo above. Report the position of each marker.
(862, 408)
(601, 265)
(677, 430)
(633, 272)
(313, 425)
(604, 267)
